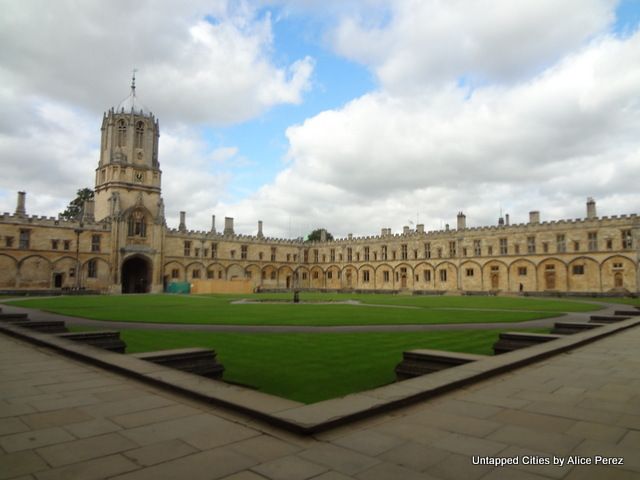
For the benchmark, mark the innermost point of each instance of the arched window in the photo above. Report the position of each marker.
(122, 133)
(137, 225)
(139, 134)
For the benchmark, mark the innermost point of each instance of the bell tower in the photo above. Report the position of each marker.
(128, 171)
(128, 195)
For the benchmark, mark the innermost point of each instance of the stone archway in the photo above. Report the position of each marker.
(136, 275)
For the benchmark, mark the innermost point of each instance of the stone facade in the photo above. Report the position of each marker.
(122, 243)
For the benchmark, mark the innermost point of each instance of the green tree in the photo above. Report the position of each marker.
(74, 209)
(316, 234)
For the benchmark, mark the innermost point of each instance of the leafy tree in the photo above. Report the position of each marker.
(316, 234)
(74, 209)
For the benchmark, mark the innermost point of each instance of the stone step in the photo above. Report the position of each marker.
(628, 313)
(509, 341)
(201, 361)
(8, 317)
(568, 328)
(44, 326)
(424, 361)
(606, 318)
(105, 339)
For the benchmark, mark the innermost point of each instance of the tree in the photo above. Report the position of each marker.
(74, 209)
(317, 234)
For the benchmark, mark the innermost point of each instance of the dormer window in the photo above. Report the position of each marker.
(122, 133)
(137, 225)
(139, 134)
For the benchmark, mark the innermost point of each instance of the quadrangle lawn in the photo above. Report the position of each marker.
(374, 309)
(312, 367)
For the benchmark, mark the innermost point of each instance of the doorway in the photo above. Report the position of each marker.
(136, 275)
(57, 280)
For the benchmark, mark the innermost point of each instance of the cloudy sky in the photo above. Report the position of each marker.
(350, 115)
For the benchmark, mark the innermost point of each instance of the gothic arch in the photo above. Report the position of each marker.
(8, 271)
(527, 278)
(449, 280)
(585, 279)
(404, 279)
(554, 279)
(168, 271)
(235, 271)
(34, 271)
(474, 282)
(136, 273)
(493, 279)
(618, 272)
(420, 273)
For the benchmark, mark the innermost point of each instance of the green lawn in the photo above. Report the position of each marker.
(218, 309)
(312, 367)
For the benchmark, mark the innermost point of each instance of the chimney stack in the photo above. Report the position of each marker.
(228, 226)
(446, 227)
(183, 225)
(591, 209)
(260, 235)
(462, 221)
(350, 236)
(88, 210)
(506, 219)
(406, 230)
(213, 224)
(323, 235)
(534, 216)
(21, 210)
(420, 228)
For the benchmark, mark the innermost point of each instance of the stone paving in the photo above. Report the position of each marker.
(61, 419)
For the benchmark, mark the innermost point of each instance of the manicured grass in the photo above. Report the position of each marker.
(217, 309)
(450, 301)
(312, 367)
(620, 300)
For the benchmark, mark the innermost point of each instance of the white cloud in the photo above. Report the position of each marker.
(546, 143)
(198, 61)
(425, 42)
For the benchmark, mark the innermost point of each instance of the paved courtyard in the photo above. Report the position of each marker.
(61, 419)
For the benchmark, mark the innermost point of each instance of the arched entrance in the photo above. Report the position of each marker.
(136, 275)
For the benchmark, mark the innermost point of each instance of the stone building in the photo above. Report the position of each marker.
(122, 243)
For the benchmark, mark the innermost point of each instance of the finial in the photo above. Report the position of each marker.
(133, 82)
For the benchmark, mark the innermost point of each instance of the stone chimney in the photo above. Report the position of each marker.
(88, 210)
(506, 219)
(350, 236)
(228, 226)
(21, 209)
(260, 234)
(462, 221)
(213, 224)
(323, 235)
(420, 228)
(534, 216)
(183, 225)
(406, 230)
(446, 227)
(591, 209)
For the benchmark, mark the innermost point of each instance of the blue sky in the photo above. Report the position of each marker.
(352, 115)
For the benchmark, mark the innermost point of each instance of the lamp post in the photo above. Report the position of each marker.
(78, 231)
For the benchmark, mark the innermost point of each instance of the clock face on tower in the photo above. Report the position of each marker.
(138, 176)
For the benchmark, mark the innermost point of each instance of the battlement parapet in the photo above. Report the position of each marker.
(44, 221)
